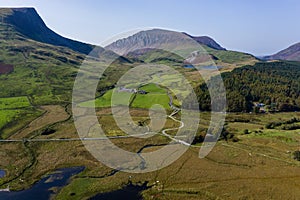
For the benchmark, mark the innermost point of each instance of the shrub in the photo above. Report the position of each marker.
(296, 155)
(198, 139)
(235, 139)
(291, 127)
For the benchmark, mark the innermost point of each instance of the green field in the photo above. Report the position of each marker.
(156, 95)
(10, 109)
(105, 100)
(153, 88)
(7, 116)
(15, 112)
(14, 102)
(148, 100)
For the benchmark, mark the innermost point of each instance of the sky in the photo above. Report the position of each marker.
(259, 27)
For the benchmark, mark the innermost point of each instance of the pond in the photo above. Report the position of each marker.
(2, 173)
(132, 192)
(188, 66)
(42, 189)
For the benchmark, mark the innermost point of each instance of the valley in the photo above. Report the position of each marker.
(144, 88)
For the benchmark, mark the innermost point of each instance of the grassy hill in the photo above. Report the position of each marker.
(40, 74)
(32, 73)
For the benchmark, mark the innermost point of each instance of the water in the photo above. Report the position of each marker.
(41, 190)
(132, 192)
(2, 173)
(188, 66)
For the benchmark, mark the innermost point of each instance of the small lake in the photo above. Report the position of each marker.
(132, 192)
(41, 190)
(2, 173)
(189, 66)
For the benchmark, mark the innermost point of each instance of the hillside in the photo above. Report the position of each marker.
(50, 142)
(29, 24)
(36, 62)
(292, 53)
(42, 71)
(37, 67)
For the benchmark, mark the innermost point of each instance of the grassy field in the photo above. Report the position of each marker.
(105, 100)
(14, 102)
(11, 109)
(259, 161)
(153, 88)
(15, 113)
(155, 95)
(148, 100)
(7, 116)
(110, 127)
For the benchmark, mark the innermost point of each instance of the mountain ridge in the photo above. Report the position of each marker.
(147, 38)
(27, 22)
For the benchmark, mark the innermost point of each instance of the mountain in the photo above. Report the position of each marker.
(30, 67)
(27, 22)
(156, 37)
(141, 45)
(42, 65)
(292, 53)
(34, 61)
(38, 63)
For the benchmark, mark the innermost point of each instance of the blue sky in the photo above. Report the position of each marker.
(259, 27)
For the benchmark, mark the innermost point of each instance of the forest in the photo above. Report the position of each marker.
(274, 85)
